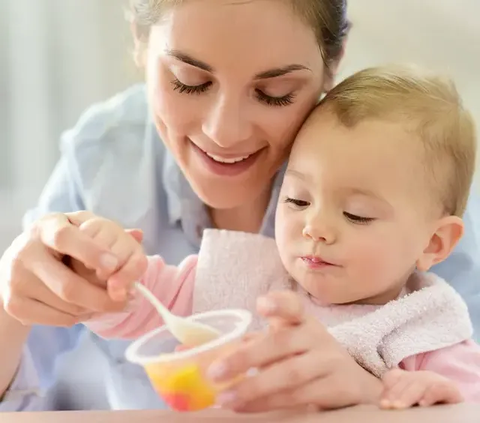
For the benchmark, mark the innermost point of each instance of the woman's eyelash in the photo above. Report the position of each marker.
(358, 219)
(190, 89)
(275, 101)
(261, 96)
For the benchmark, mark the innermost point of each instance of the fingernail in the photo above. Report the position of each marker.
(108, 262)
(385, 403)
(226, 398)
(217, 371)
(266, 305)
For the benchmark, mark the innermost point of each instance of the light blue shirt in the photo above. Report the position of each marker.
(114, 164)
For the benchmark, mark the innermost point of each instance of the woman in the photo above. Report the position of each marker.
(226, 90)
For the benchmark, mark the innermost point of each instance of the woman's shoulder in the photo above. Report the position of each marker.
(115, 157)
(117, 123)
(113, 137)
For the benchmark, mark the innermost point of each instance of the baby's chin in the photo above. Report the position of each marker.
(328, 299)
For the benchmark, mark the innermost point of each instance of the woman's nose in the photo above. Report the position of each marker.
(226, 123)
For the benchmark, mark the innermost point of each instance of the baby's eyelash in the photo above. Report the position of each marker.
(296, 202)
(358, 219)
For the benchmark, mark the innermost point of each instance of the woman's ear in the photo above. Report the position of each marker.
(446, 237)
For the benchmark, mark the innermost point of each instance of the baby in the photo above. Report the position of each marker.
(373, 196)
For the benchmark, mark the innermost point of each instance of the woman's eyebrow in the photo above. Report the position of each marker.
(189, 60)
(271, 73)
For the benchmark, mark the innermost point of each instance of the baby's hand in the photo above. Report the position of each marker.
(403, 389)
(125, 245)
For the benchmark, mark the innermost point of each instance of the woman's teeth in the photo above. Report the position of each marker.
(231, 160)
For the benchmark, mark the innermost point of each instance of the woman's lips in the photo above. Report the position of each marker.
(226, 165)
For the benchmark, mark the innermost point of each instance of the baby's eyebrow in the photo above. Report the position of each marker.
(296, 174)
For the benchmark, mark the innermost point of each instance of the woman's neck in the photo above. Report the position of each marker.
(245, 218)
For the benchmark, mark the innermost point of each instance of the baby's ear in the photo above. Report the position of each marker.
(137, 234)
(448, 233)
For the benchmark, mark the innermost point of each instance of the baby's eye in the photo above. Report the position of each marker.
(300, 204)
(358, 219)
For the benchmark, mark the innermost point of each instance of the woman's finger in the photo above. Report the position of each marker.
(37, 290)
(279, 377)
(22, 283)
(260, 352)
(41, 314)
(69, 287)
(58, 233)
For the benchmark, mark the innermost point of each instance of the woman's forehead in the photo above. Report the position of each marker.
(223, 33)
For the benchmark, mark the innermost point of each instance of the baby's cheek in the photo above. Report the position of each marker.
(370, 261)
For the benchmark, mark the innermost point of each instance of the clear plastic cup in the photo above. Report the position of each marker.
(179, 376)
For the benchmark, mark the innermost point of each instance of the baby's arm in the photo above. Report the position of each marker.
(452, 375)
(173, 285)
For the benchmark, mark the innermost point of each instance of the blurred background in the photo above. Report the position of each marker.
(59, 56)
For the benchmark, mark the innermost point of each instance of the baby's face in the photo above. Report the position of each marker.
(354, 213)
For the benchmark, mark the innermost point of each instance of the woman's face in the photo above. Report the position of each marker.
(229, 84)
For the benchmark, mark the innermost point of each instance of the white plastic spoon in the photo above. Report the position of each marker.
(188, 332)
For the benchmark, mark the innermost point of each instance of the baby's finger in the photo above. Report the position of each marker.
(137, 234)
(411, 395)
(133, 270)
(442, 392)
(283, 305)
(392, 377)
(392, 394)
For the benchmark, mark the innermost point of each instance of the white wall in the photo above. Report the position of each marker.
(441, 34)
(59, 56)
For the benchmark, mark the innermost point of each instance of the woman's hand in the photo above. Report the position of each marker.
(36, 287)
(299, 364)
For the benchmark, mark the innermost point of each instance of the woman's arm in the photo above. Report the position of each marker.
(16, 334)
(30, 271)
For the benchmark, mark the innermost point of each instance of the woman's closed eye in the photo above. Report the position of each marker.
(274, 101)
(358, 219)
(269, 100)
(190, 89)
